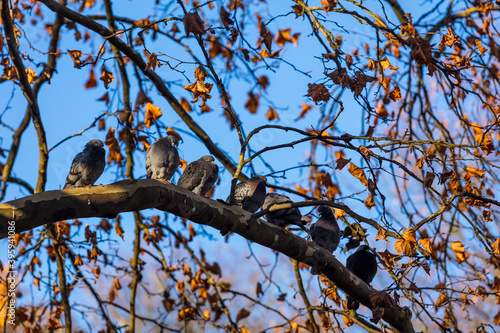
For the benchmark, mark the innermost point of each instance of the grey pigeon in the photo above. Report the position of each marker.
(87, 166)
(162, 158)
(282, 217)
(250, 194)
(200, 175)
(325, 232)
(363, 264)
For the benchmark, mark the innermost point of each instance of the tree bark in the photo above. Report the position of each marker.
(134, 195)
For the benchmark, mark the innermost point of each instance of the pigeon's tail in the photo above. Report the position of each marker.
(301, 225)
(315, 271)
(352, 304)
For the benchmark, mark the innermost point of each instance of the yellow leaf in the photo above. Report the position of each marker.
(206, 315)
(152, 114)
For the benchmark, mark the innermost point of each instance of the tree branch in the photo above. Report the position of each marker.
(155, 78)
(135, 195)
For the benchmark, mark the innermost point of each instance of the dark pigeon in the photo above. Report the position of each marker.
(325, 232)
(87, 166)
(363, 264)
(250, 194)
(162, 158)
(282, 217)
(200, 175)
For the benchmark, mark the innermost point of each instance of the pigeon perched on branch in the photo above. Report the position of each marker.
(87, 165)
(363, 264)
(325, 232)
(250, 194)
(282, 217)
(162, 158)
(200, 175)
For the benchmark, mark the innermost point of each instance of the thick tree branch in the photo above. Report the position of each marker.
(134, 195)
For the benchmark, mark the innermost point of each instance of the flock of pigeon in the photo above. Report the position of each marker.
(162, 160)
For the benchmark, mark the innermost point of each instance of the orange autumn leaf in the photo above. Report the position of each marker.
(358, 173)
(409, 235)
(381, 234)
(405, 247)
(475, 172)
(152, 62)
(31, 75)
(496, 246)
(75, 55)
(152, 114)
(372, 64)
(185, 104)
(382, 111)
(252, 103)
(395, 95)
(118, 229)
(182, 164)
(384, 81)
(114, 148)
(144, 140)
(300, 189)
(305, 110)
(459, 251)
(384, 63)
(339, 213)
(481, 48)
(426, 244)
(92, 81)
(265, 54)
(106, 77)
(369, 202)
(272, 114)
(171, 131)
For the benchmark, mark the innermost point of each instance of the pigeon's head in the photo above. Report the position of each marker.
(173, 140)
(208, 158)
(260, 178)
(94, 143)
(324, 210)
(363, 248)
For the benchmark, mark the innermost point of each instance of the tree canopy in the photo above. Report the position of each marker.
(385, 111)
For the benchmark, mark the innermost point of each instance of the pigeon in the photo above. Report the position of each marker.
(87, 165)
(282, 217)
(250, 194)
(325, 232)
(363, 264)
(162, 158)
(200, 175)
